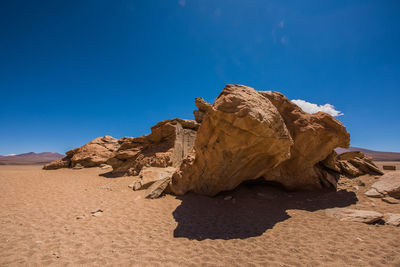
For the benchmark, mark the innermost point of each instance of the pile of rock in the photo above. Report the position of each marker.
(169, 142)
(387, 188)
(93, 154)
(355, 163)
(244, 135)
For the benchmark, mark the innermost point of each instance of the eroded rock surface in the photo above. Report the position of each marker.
(169, 142)
(388, 185)
(244, 135)
(353, 215)
(392, 219)
(95, 153)
(247, 134)
(315, 136)
(241, 137)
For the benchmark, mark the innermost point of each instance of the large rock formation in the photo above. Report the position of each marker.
(93, 154)
(169, 142)
(247, 134)
(315, 136)
(244, 135)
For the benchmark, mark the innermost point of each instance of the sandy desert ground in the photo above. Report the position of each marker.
(46, 219)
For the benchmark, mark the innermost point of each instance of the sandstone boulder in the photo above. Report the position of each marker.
(57, 164)
(355, 163)
(352, 215)
(150, 175)
(387, 185)
(157, 188)
(315, 137)
(169, 142)
(247, 134)
(392, 219)
(95, 153)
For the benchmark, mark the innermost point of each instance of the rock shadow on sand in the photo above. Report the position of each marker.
(253, 210)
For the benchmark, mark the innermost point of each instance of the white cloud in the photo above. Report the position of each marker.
(314, 108)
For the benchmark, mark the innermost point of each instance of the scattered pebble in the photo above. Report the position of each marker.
(391, 200)
(97, 213)
(360, 183)
(228, 198)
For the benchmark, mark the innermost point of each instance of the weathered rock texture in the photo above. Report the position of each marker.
(388, 185)
(355, 163)
(247, 134)
(169, 142)
(352, 215)
(244, 135)
(392, 219)
(93, 154)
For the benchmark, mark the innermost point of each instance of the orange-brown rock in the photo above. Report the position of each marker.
(315, 137)
(355, 163)
(247, 134)
(242, 136)
(169, 142)
(93, 154)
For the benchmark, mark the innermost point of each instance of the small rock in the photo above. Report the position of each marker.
(389, 167)
(352, 215)
(392, 219)
(77, 167)
(79, 217)
(360, 183)
(373, 193)
(97, 213)
(228, 198)
(157, 188)
(388, 184)
(260, 194)
(106, 167)
(137, 185)
(355, 187)
(391, 200)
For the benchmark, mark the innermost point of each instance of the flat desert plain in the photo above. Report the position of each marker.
(46, 219)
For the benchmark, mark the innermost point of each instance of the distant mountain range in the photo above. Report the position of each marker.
(29, 158)
(376, 155)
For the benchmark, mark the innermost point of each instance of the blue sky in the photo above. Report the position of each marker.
(71, 71)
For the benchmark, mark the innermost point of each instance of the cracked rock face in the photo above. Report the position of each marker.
(169, 142)
(244, 135)
(247, 134)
